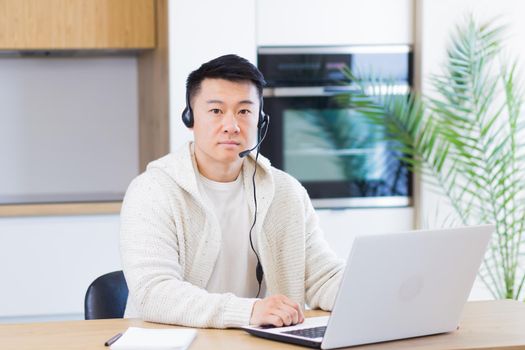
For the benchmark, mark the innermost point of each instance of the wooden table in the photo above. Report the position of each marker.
(484, 325)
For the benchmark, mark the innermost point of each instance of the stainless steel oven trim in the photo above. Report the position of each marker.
(329, 90)
(276, 50)
(297, 91)
(362, 202)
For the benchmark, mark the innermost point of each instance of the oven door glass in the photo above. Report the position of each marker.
(334, 152)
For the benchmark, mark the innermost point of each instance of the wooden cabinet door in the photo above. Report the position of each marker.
(77, 24)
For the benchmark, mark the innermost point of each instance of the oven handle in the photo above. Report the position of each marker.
(304, 91)
(339, 89)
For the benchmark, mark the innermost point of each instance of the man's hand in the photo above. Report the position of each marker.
(276, 310)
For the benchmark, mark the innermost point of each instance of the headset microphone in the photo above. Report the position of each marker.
(264, 124)
(245, 153)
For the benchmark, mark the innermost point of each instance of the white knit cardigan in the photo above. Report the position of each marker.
(169, 242)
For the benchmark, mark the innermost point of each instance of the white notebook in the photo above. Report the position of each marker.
(135, 338)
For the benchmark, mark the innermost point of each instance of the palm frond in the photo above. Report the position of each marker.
(466, 140)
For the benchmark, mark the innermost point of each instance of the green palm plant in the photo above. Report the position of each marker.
(466, 138)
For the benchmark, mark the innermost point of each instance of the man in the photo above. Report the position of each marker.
(188, 226)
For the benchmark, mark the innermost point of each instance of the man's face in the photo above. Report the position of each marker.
(225, 120)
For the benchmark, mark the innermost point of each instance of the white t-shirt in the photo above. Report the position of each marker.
(234, 269)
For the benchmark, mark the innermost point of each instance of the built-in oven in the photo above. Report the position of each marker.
(340, 157)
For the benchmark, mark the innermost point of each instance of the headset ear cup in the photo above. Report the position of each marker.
(263, 119)
(187, 117)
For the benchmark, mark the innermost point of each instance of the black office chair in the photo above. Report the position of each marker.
(106, 297)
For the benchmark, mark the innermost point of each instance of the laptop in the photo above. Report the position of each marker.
(395, 286)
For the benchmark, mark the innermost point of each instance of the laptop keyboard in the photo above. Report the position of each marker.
(315, 332)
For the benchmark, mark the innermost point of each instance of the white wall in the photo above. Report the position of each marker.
(198, 32)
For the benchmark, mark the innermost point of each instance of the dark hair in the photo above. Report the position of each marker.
(228, 67)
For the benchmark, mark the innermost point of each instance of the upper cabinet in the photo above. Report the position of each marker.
(77, 24)
(334, 22)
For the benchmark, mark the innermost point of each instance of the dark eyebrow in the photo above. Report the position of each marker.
(250, 102)
(214, 101)
(243, 102)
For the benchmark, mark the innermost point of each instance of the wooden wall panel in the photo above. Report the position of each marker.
(154, 93)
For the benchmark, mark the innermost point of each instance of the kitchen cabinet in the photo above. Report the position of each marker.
(334, 22)
(147, 64)
(77, 24)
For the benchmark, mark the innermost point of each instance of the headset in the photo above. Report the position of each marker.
(262, 129)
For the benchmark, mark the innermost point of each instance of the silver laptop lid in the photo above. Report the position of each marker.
(405, 285)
